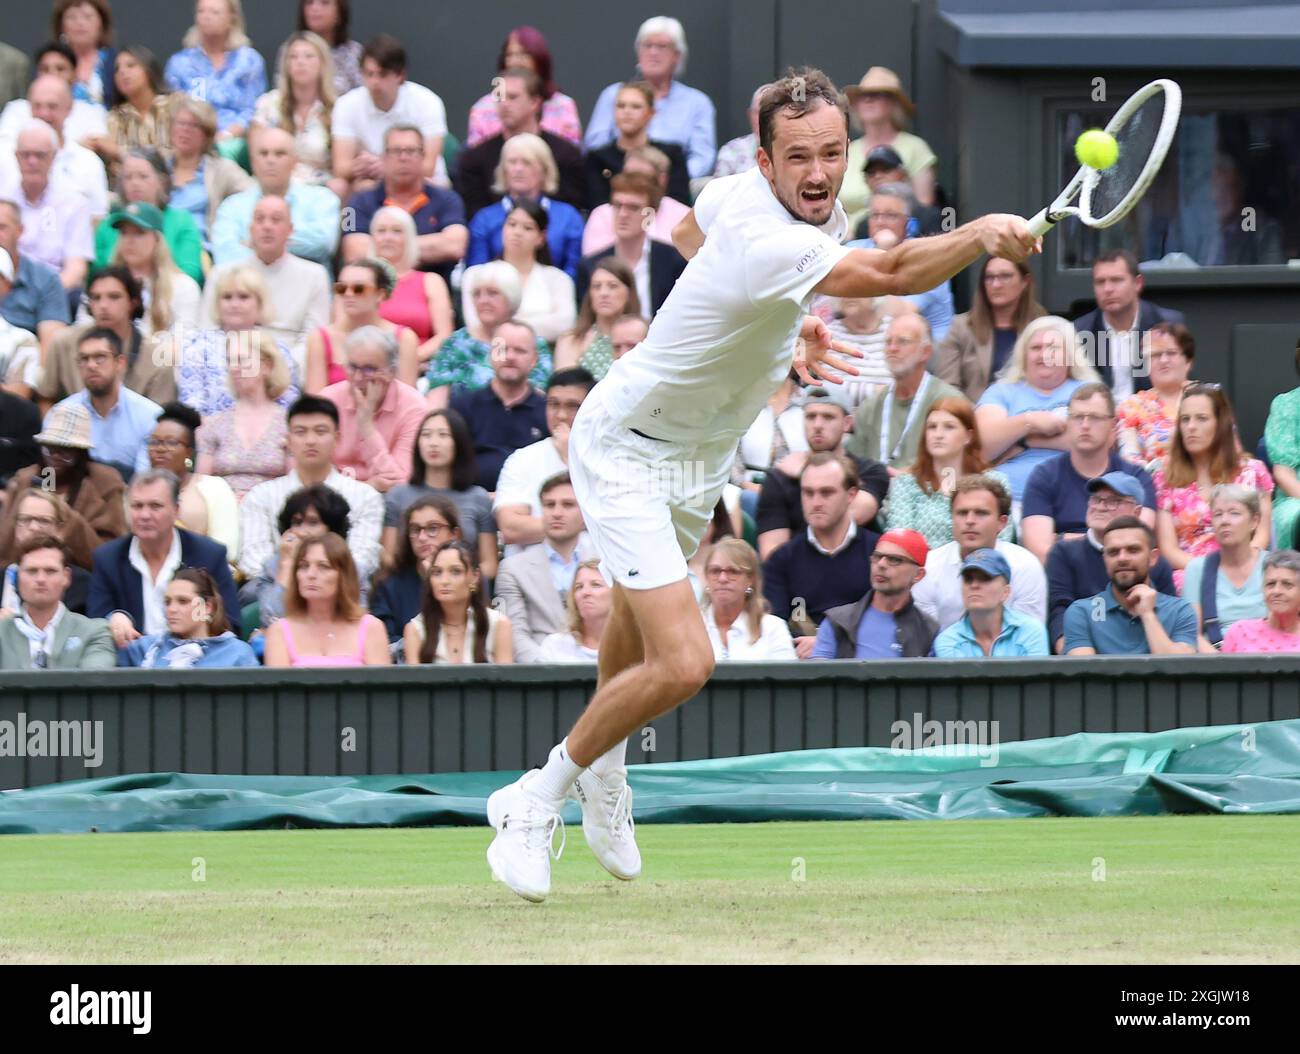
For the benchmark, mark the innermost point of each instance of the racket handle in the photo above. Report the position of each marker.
(1040, 224)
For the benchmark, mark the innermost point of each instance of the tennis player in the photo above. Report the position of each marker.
(653, 444)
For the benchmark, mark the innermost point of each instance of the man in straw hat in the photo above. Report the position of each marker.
(883, 111)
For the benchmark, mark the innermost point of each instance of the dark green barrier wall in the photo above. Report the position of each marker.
(443, 719)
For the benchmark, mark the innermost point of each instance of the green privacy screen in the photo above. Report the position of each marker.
(1224, 768)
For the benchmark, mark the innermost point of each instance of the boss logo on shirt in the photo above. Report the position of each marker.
(808, 258)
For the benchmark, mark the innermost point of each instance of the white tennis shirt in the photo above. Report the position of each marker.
(724, 339)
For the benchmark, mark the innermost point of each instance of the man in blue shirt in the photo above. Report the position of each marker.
(682, 115)
(891, 212)
(120, 419)
(1130, 617)
(441, 235)
(990, 629)
(509, 413)
(884, 624)
(36, 301)
(1055, 505)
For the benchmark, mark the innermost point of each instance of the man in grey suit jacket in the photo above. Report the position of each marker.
(44, 634)
(532, 586)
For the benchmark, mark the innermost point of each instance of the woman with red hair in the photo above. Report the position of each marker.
(525, 48)
(921, 497)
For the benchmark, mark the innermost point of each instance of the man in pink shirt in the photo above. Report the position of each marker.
(379, 416)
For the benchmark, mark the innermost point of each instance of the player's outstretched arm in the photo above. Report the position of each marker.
(687, 236)
(918, 264)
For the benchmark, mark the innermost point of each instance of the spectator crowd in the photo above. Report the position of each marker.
(288, 371)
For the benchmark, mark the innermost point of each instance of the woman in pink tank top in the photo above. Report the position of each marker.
(420, 301)
(324, 623)
(360, 290)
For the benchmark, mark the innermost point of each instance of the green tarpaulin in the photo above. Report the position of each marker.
(1223, 768)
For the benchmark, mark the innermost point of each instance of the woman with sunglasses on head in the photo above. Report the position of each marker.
(427, 523)
(443, 464)
(455, 624)
(198, 633)
(361, 288)
(735, 613)
(1203, 453)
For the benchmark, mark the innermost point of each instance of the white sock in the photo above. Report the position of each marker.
(557, 775)
(614, 760)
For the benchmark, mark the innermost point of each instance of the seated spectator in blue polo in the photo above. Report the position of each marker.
(1228, 586)
(891, 211)
(441, 234)
(1076, 568)
(197, 632)
(314, 211)
(827, 566)
(884, 624)
(527, 170)
(990, 629)
(121, 420)
(36, 300)
(131, 573)
(1055, 506)
(1022, 415)
(509, 413)
(683, 115)
(1129, 617)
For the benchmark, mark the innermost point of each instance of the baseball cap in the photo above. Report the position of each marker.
(6, 266)
(1121, 483)
(989, 561)
(139, 213)
(882, 157)
(812, 396)
(910, 541)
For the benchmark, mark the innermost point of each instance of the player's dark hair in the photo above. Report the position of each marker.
(798, 92)
(1130, 523)
(1117, 255)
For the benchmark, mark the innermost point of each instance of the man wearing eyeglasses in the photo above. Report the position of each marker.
(884, 624)
(1056, 494)
(1076, 567)
(43, 634)
(379, 416)
(441, 235)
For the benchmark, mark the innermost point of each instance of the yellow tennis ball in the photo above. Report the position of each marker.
(1096, 149)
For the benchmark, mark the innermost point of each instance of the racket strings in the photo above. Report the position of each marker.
(1137, 139)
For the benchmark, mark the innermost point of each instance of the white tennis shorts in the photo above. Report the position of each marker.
(646, 502)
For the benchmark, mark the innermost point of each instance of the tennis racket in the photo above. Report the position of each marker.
(1144, 128)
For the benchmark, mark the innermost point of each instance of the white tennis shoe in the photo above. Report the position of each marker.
(607, 822)
(520, 854)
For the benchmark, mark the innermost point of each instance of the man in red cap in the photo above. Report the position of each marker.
(884, 624)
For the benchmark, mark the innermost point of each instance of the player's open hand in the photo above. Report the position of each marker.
(1008, 237)
(816, 355)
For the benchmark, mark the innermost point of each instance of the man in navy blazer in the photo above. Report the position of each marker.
(634, 197)
(1111, 333)
(154, 550)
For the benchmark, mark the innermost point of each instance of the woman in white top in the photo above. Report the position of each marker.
(171, 297)
(589, 604)
(735, 613)
(548, 303)
(456, 625)
(302, 103)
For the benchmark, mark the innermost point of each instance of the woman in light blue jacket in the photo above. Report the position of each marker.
(197, 631)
